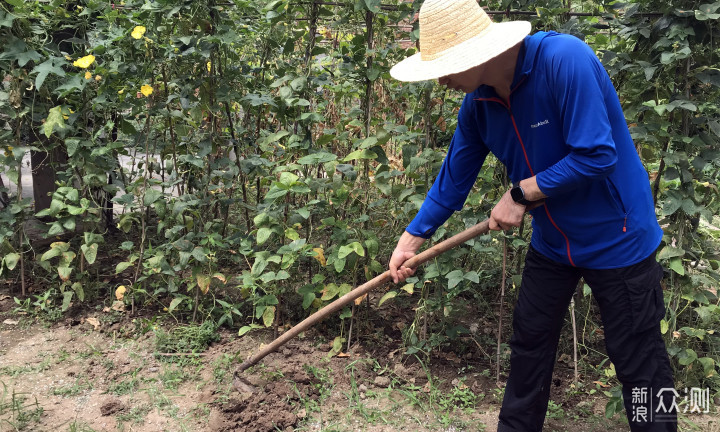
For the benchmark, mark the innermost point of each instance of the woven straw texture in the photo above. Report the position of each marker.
(456, 35)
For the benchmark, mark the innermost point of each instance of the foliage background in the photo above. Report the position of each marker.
(245, 163)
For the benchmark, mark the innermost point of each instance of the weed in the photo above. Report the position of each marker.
(72, 390)
(555, 410)
(173, 377)
(460, 397)
(21, 413)
(185, 339)
(135, 415)
(92, 351)
(221, 367)
(125, 386)
(62, 355)
(80, 427)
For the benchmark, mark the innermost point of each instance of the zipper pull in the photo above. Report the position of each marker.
(625, 224)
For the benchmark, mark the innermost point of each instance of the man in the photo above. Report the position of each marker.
(545, 107)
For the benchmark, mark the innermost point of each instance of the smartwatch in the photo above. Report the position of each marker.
(518, 195)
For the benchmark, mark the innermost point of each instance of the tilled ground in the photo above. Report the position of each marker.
(101, 372)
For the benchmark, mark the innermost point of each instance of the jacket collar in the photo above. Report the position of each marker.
(524, 66)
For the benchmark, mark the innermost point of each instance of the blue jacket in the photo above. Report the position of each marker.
(563, 123)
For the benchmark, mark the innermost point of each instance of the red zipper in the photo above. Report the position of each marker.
(507, 106)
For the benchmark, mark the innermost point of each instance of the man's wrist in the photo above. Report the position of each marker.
(409, 242)
(518, 195)
(531, 189)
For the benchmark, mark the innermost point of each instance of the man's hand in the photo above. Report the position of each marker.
(506, 213)
(405, 249)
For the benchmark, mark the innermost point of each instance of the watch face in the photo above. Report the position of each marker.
(517, 194)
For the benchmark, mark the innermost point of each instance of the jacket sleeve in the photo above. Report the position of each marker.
(458, 172)
(580, 85)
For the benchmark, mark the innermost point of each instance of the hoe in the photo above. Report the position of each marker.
(242, 385)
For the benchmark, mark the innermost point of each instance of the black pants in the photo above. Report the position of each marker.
(631, 305)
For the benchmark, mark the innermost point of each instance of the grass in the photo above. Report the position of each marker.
(185, 339)
(80, 427)
(172, 377)
(125, 386)
(79, 386)
(21, 413)
(135, 415)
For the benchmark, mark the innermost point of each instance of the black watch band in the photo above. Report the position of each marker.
(518, 195)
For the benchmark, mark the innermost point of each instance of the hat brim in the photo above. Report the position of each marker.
(466, 55)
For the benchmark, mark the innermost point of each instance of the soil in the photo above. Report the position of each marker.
(98, 371)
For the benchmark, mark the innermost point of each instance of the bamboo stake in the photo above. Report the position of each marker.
(363, 289)
(500, 310)
(21, 229)
(575, 345)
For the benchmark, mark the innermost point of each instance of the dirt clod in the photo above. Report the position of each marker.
(382, 381)
(274, 407)
(111, 406)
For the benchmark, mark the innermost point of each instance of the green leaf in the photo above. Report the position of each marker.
(677, 266)
(258, 266)
(317, 158)
(329, 292)
(714, 127)
(372, 5)
(360, 154)
(268, 316)
(388, 295)
(18, 50)
(44, 69)
(373, 73)
(64, 273)
(244, 329)
(54, 119)
(308, 299)
(350, 248)
(454, 278)
(11, 260)
(670, 252)
(89, 252)
(263, 235)
(122, 266)
(336, 347)
(298, 83)
(663, 326)
(708, 366)
(372, 247)
(175, 303)
(710, 76)
(339, 265)
(687, 356)
(67, 298)
(707, 11)
(6, 20)
(472, 276)
(151, 195)
(77, 287)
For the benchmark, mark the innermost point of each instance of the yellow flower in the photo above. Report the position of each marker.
(84, 62)
(138, 32)
(98, 77)
(209, 66)
(146, 90)
(121, 91)
(88, 75)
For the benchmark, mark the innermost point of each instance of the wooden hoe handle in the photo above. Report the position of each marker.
(378, 281)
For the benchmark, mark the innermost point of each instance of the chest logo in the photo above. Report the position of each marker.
(540, 123)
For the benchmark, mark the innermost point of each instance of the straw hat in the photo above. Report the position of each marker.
(457, 35)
